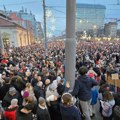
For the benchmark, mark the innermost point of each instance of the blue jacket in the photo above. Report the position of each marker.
(82, 88)
(94, 96)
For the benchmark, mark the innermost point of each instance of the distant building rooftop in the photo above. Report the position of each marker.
(94, 6)
(7, 23)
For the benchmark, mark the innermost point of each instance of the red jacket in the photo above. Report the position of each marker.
(10, 114)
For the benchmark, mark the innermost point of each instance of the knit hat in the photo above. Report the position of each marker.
(14, 102)
(52, 86)
(41, 100)
(39, 84)
(91, 75)
(58, 78)
(12, 90)
(25, 94)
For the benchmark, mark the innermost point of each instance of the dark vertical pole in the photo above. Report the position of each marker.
(44, 16)
(1, 44)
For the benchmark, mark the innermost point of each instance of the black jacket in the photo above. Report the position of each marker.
(3, 90)
(43, 114)
(7, 99)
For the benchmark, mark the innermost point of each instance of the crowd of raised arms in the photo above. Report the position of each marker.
(33, 84)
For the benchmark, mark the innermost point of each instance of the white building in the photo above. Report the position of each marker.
(12, 34)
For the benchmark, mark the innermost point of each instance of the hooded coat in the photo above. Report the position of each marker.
(82, 88)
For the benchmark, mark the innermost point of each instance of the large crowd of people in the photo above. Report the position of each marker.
(33, 84)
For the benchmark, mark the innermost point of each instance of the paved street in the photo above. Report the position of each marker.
(97, 116)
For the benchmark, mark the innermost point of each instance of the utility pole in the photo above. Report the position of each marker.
(44, 18)
(70, 43)
(1, 44)
(5, 10)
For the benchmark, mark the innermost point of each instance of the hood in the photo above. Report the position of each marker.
(84, 78)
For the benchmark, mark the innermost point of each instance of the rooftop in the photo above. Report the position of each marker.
(93, 6)
(4, 22)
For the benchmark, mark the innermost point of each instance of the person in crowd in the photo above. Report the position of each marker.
(68, 110)
(42, 111)
(29, 88)
(25, 95)
(93, 101)
(5, 88)
(17, 82)
(25, 112)
(11, 94)
(10, 112)
(103, 88)
(107, 105)
(39, 90)
(51, 91)
(82, 90)
(25, 80)
(116, 109)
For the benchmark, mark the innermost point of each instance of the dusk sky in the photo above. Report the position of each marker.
(58, 8)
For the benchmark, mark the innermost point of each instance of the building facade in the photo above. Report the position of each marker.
(89, 17)
(110, 29)
(28, 20)
(40, 34)
(12, 34)
(25, 24)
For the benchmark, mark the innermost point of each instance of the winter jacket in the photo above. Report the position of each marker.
(7, 99)
(10, 114)
(3, 90)
(107, 107)
(82, 88)
(70, 113)
(43, 114)
(39, 92)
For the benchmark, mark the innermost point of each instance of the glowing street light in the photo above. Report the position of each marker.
(80, 21)
(94, 26)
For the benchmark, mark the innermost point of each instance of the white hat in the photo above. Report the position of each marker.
(58, 78)
(52, 86)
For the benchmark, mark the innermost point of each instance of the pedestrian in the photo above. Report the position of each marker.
(82, 90)
(10, 112)
(42, 111)
(93, 102)
(25, 112)
(68, 110)
(11, 94)
(107, 105)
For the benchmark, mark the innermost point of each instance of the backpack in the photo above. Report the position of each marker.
(107, 110)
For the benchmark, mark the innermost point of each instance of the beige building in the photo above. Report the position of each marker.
(13, 34)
